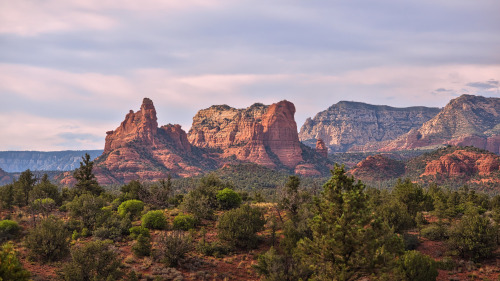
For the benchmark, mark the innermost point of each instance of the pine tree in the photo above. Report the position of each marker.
(86, 180)
(348, 241)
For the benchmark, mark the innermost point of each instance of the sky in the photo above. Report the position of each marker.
(70, 70)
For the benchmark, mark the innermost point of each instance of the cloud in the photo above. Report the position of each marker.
(491, 84)
(31, 18)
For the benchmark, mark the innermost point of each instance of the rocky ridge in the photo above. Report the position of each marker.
(451, 165)
(465, 121)
(349, 124)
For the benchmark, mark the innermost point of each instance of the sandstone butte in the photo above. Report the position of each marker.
(465, 121)
(262, 134)
(265, 135)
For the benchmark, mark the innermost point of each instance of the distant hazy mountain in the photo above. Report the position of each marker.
(347, 124)
(18, 161)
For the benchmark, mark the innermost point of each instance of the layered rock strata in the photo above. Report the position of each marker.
(262, 134)
(465, 121)
(349, 124)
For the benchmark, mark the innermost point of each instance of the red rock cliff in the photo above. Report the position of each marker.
(266, 135)
(138, 149)
(321, 148)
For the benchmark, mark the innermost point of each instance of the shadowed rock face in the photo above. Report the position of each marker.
(266, 135)
(5, 178)
(349, 124)
(378, 168)
(465, 121)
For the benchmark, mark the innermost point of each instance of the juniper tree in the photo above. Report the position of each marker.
(348, 240)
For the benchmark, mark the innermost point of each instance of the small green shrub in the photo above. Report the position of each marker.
(411, 241)
(415, 266)
(434, 232)
(8, 230)
(184, 222)
(228, 199)
(135, 231)
(132, 208)
(113, 227)
(95, 260)
(215, 249)
(154, 220)
(239, 227)
(10, 267)
(142, 247)
(173, 247)
(48, 241)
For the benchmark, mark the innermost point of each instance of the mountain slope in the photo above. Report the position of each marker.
(466, 120)
(347, 124)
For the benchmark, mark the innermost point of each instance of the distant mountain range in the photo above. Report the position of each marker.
(19, 161)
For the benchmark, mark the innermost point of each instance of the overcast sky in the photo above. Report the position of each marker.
(71, 69)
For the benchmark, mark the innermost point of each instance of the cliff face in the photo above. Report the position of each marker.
(138, 149)
(350, 124)
(466, 120)
(266, 135)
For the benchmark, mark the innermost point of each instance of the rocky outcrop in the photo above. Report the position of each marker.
(451, 165)
(349, 124)
(465, 121)
(321, 148)
(138, 149)
(265, 135)
(463, 163)
(378, 168)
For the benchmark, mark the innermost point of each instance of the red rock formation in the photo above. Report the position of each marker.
(377, 168)
(138, 149)
(266, 135)
(321, 148)
(462, 163)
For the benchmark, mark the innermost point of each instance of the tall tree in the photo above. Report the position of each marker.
(348, 240)
(25, 184)
(86, 180)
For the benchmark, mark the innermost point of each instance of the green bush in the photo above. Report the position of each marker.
(184, 222)
(173, 247)
(228, 199)
(415, 266)
(434, 232)
(214, 249)
(132, 208)
(135, 231)
(411, 241)
(8, 229)
(239, 227)
(48, 241)
(154, 220)
(473, 237)
(10, 267)
(142, 247)
(95, 260)
(112, 226)
(87, 208)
